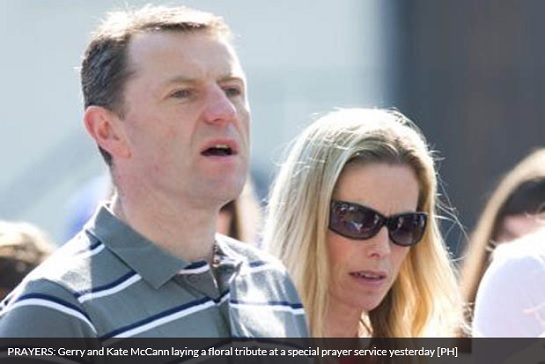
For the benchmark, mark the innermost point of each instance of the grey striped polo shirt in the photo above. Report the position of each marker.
(111, 282)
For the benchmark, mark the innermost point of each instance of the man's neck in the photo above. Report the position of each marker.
(184, 233)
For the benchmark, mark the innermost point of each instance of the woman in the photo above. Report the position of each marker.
(515, 208)
(352, 216)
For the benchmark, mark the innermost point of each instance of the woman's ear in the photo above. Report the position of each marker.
(107, 129)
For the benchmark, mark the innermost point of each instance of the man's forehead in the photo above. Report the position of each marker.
(164, 35)
(183, 57)
(184, 43)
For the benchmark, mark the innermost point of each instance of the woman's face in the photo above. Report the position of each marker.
(363, 271)
(516, 226)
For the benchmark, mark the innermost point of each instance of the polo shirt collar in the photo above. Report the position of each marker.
(155, 265)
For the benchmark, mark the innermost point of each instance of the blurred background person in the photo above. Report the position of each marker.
(352, 214)
(510, 300)
(23, 246)
(241, 218)
(515, 208)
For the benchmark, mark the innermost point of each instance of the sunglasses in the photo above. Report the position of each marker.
(355, 221)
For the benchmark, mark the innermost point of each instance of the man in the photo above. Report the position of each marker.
(166, 103)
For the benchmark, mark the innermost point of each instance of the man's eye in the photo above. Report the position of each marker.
(182, 94)
(232, 91)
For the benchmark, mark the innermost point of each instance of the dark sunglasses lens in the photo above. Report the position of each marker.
(407, 229)
(355, 222)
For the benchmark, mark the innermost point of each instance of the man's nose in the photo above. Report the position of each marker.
(219, 107)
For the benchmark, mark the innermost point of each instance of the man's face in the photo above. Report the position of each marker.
(186, 118)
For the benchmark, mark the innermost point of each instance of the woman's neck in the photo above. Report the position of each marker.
(344, 322)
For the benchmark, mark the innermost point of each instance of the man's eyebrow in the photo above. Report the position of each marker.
(229, 78)
(180, 79)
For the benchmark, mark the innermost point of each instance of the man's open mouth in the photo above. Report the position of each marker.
(220, 150)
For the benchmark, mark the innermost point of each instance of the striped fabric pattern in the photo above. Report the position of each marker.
(110, 282)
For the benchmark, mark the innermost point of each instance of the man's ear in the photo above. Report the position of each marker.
(107, 130)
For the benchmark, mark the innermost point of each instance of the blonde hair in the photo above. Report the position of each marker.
(424, 300)
(481, 242)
